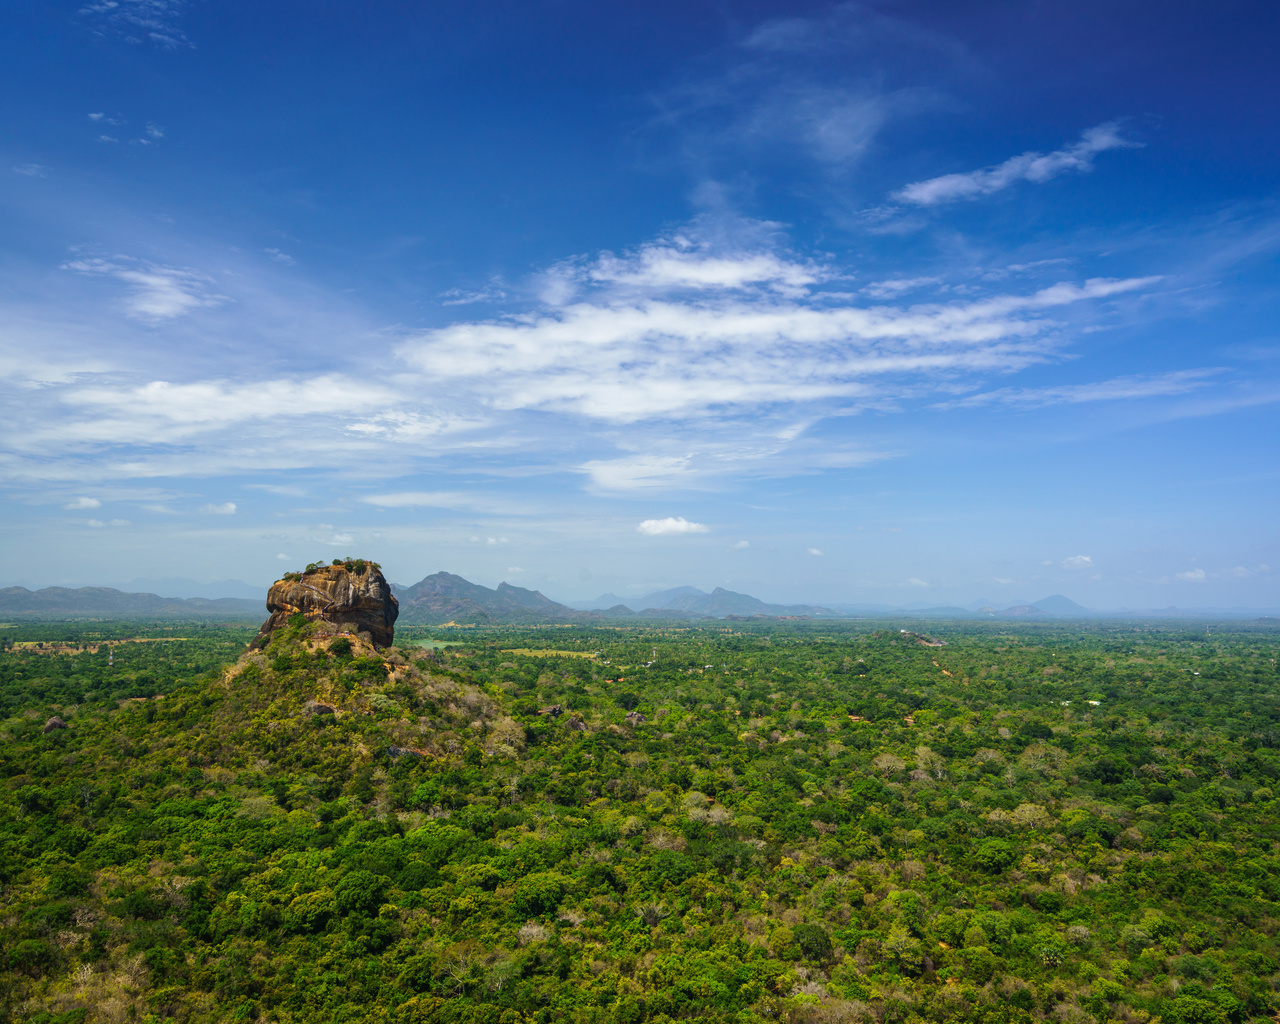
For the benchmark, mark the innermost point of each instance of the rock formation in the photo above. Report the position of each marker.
(54, 723)
(353, 596)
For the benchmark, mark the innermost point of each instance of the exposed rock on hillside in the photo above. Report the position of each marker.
(353, 596)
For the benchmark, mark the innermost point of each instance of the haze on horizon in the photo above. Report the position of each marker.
(896, 302)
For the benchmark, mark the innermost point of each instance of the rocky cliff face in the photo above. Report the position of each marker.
(354, 596)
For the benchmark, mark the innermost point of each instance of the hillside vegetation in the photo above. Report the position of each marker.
(805, 822)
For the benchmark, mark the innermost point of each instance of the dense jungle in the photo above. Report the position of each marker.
(729, 822)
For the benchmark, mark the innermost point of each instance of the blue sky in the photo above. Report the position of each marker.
(886, 302)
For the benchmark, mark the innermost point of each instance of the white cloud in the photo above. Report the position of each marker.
(914, 582)
(107, 138)
(742, 545)
(227, 508)
(1077, 562)
(120, 522)
(447, 499)
(280, 257)
(684, 263)
(1030, 166)
(31, 170)
(341, 538)
(815, 551)
(157, 292)
(514, 569)
(83, 503)
(893, 287)
(137, 21)
(97, 524)
(637, 472)
(672, 330)
(670, 525)
(163, 411)
(155, 131)
(1178, 382)
(493, 541)
(459, 297)
(1193, 576)
(283, 557)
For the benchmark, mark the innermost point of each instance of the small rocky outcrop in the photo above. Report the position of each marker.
(551, 709)
(635, 718)
(576, 724)
(54, 723)
(350, 596)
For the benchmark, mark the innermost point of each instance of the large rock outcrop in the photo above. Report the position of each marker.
(353, 596)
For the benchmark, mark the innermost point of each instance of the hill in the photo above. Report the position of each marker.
(446, 597)
(108, 603)
(1062, 607)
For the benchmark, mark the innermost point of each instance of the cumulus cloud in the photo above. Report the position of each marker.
(815, 551)
(1077, 562)
(670, 525)
(157, 293)
(83, 503)
(1193, 576)
(1030, 166)
(227, 508)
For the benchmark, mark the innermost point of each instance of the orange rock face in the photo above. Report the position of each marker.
(359, 602)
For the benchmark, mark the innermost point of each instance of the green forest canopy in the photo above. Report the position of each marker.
(806, 821)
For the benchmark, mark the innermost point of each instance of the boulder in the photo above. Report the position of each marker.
(551, 709)
(353, 596)
(635, 718)
(54, 723)
(576, 724)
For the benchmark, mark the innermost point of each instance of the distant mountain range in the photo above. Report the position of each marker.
(446, 597)
(108, 603)
(692, 602)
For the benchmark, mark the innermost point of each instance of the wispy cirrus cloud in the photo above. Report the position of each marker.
(675, 329)
(1178, 382)
(157, 293)
(138, 21)
(1030, 166)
